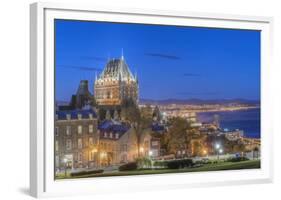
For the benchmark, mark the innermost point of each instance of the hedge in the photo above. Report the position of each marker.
(237, 159)
(174, 164)
(128, 166)
(81, 173)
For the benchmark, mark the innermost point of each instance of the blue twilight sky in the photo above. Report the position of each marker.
(170, 62)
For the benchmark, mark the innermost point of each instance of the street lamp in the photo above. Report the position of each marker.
(217, 146)
(205, 152)
(141, 150)
(218, 150)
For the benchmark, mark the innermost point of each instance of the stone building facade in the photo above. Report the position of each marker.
(80, 143)
(76, 138)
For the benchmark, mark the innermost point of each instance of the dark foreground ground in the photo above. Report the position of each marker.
(252, 164)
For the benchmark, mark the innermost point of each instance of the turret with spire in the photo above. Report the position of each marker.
(116, 73)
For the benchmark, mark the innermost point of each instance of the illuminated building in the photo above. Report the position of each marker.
(80, 143)
(76, 139)
(115, 84)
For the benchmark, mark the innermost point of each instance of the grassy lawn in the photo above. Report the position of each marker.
(252, 164)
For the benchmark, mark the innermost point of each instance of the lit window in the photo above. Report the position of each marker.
(91, 128)
(92, 154)
(80, 157)
(68, 144)
(79, 129)
(57, 161)
(80, 145)
(91, 141)
(57, 145)
(154, 143)
(57, 131)
(68, 130)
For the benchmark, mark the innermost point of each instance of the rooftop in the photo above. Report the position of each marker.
(85, 114)
(114, 127)
(118, 69)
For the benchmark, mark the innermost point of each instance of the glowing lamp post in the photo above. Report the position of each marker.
(219, 150)
(141, 150)
(205, 152)
(217, 146)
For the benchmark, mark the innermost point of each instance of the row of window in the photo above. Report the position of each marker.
(79, 116)
(79, 129)
(68, 144)
(106, 146)
(110, 135)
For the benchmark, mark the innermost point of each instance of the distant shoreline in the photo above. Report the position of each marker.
(228, 110)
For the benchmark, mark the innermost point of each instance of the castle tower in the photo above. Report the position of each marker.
(115, 84)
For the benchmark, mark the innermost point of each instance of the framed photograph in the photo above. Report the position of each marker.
(132, 100)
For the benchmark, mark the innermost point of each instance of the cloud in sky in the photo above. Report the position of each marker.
(96, 58)
(82, 68)
(165, 56)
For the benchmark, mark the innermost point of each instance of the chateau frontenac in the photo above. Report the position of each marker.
(115, 84)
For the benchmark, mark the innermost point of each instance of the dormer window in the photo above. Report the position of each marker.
(90, 116)
(116, 135)
(91, 128)
(110, 135)
(68, 116)
(68, 130)
(79, 129)
(79, 116)
(105, 134)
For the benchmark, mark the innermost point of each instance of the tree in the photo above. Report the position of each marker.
(176, 139)
(256, 152)
(197, 148)
(239, 148)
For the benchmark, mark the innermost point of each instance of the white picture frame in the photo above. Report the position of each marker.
(42, 183)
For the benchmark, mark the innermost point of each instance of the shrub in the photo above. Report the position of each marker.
(90, 172)
(144, 162)
(128, 166)
(160, 164)
(237, 159)
(176, 164)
